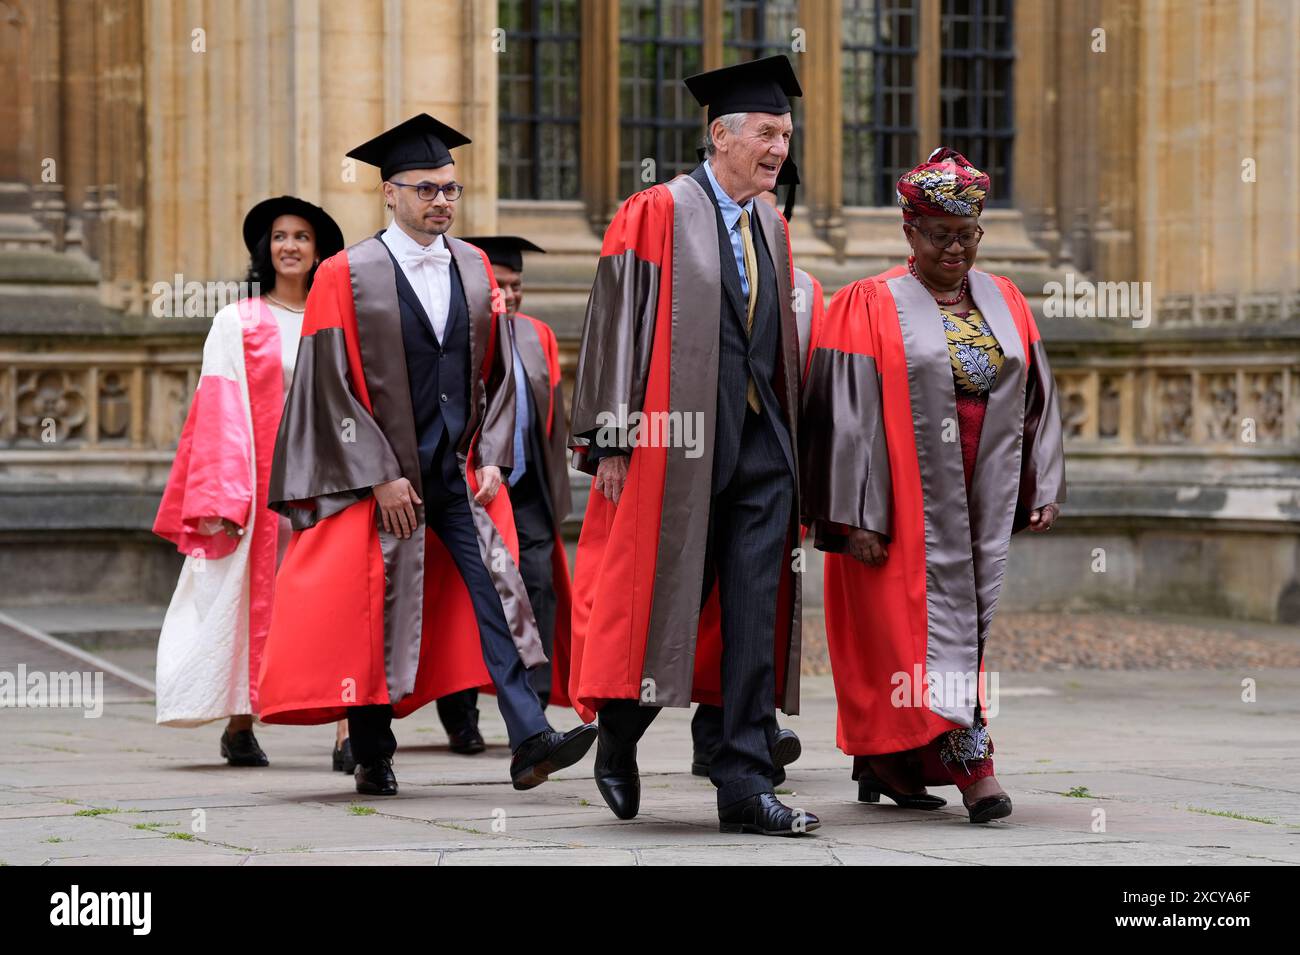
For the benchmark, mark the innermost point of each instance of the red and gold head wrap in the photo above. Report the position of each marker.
(946, 184)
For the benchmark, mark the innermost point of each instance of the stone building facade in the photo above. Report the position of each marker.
(1147, 151)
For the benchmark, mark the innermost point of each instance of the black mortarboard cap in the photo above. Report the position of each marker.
(755, 86)
(788, 175)
(507, 250)
(419, 143)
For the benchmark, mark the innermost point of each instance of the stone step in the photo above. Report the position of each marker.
(95, 626)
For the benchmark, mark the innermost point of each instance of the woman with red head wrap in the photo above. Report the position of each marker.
(932, 435)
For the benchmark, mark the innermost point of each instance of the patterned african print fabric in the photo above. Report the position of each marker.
(975, 354)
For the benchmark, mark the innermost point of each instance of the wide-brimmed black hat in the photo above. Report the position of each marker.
(329, 237)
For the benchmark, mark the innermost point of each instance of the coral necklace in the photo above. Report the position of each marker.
(961, 289)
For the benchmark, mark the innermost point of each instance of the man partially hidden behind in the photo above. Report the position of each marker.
(685, 410)
(392, 448)
(538, 488)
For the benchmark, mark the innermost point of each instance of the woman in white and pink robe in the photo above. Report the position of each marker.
(214, 507)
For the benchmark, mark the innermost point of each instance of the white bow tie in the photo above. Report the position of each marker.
(439, 256)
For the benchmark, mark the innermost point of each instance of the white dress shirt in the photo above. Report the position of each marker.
(428, 269)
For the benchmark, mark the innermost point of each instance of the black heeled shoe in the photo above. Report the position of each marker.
(241, 749)
(990, 808)
(344, 761)
(870, 789)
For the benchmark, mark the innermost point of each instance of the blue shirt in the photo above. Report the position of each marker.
(523, 418)
(730, 210)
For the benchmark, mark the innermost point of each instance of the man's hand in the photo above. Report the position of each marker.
(611, 475)
(1042, 518)
(489, 482)
(397, 500)
(868, 547)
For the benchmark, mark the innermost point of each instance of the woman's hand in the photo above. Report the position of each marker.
(611, 475)
(397, 500)
(1042, 518)
(868, 547)
(220, 525)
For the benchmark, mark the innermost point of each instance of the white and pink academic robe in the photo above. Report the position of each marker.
(210, 648)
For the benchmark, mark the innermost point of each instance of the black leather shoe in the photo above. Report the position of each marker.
(548, 752)
(990, 808)
(786, 748)
(617, 777)
(701, 762)
(765, 815)
(376, 779)
(344, 761)
(467, 740)
(871, 789)
(241, 749)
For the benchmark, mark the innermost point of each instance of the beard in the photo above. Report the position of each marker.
(422, 223)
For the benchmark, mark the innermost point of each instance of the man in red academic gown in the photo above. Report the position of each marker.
(809, 305)
(401, 583)
(539, 491)
(685, 409)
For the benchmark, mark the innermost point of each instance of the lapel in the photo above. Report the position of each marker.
(477, 289)
(727, 263)
(406, 293)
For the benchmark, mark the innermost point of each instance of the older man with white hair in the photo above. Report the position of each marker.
(685, 587)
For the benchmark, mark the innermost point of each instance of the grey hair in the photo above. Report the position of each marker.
(732, 121)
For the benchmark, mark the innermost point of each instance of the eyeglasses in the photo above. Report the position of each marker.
(428, 191)
(941, 240)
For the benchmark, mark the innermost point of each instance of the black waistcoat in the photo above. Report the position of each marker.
(438, 374)
(743, 354)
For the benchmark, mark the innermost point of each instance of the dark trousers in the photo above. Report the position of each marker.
(748, 524)
(448, 516)
(706, 730)
(536, 541)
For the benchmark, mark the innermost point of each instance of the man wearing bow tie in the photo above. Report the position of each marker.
(407, 398)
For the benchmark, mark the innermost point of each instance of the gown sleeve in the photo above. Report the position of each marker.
(618, 331)
(1042, 461)
(329, 451)
(844, 459)
(211, 475)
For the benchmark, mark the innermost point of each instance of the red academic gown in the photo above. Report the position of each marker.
(878, 454)
(650, 345)
(540, 354)
(361, 617)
